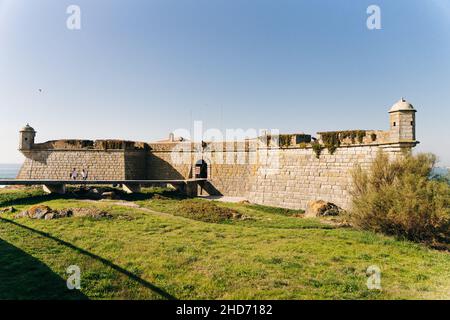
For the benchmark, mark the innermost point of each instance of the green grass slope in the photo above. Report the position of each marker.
(150, 251)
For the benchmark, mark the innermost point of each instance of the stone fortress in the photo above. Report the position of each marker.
(284, 170)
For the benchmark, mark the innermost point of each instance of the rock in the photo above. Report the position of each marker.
(239, 216)
(8, 210)
(23, 214)
(236, 215)
(109, 195)
(65, 213)
(50, 216)
(38, 211)
(94, 194)
(93, 191)
(91, 212)
(320, 208)
(44, 212)
(101, 215)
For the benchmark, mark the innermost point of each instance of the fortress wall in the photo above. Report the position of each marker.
(161, 164)
(286, 177)
(231, 167)
(230, 178)
(279, 177)
(58, 164)
(301, 177)
(135, 165)
(160, 167)
(257, 169)
(229, 172)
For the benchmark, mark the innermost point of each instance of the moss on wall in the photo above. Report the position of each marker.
(333, 139)
(317, 148)
(285, 140)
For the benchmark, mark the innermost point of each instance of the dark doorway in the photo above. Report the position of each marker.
(201, 169)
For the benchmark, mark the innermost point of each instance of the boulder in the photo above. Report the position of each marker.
(94, 194)
(39, 211)
(50, 216)
(64, 213)
(109, 195)
(320, 208)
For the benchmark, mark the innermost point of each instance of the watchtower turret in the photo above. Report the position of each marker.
(403, 122)
(27, 135)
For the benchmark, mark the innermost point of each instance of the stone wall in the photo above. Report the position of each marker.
(135, 165)
(288, 176)
(229, 168)
(58, 164)
(161, 164)
(300, 177)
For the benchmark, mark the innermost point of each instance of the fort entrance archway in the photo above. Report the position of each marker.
(201, 169)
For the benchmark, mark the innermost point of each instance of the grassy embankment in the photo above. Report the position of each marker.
(150, 251)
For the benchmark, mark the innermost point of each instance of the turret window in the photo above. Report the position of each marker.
(395, 124)
(412, 123)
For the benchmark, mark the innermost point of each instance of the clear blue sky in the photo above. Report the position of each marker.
(139, 69)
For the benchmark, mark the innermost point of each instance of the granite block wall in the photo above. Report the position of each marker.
(57, 165)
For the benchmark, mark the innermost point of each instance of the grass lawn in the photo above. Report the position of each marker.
(149, 251)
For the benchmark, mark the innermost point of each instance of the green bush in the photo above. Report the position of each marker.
(400, 198)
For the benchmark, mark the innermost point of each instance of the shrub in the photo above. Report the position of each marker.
(205, 211)
(285, 140)
(400, 198)
(317, 148)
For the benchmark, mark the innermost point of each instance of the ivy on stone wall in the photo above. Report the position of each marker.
(285, 140)
(120, 145)
(317, 148)
(353, 135)
(332, 140)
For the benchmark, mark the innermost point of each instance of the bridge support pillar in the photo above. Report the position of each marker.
(55, 188)
(131, 188)
(191, 188)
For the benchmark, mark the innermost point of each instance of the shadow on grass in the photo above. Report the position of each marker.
(29, 199)
(149, 195)
(108, 263)
(23, 277)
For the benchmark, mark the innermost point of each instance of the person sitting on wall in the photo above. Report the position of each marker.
(84, 174)
(74, 174)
